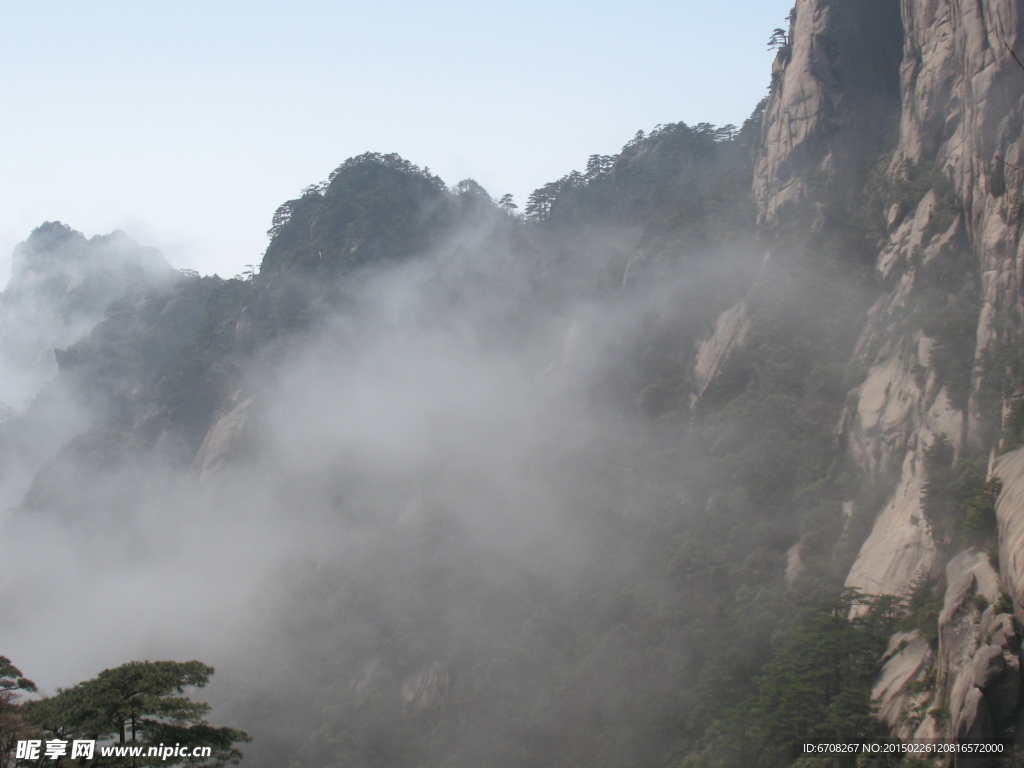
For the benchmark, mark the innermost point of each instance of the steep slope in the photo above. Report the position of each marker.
(834, 91)
(585, 487)
(60, 286)
(450, 461)
(940, 197)
(950, 257)
(63, 287)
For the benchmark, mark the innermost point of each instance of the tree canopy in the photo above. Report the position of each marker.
(141, 704)
(12, 685)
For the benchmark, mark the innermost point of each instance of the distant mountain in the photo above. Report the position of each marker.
(713, 450)
(61, 285)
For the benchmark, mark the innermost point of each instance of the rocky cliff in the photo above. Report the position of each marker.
(915, 110)
(961, 96)
(889, 165)
(834, 87)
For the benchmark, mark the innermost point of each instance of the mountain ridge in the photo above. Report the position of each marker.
(697, 391)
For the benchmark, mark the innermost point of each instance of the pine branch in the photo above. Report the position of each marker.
(1013, 54)
(1010, 165)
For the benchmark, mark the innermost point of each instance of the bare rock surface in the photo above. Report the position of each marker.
(900, 549)
(901, 693)
(730, 332)
(1010, 518)
(229, 438)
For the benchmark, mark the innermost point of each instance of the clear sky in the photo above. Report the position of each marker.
(187, 123)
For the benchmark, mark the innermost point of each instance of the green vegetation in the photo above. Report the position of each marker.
(13, 727)
(198, 380)
(951, 483)
(687, 643)
(817, 685)
(687, 179)
(691, 633)
(373, 207)
(922, 610)
(948, 306)
(137, 704)
(958, 502)
(718, 652)
(779, 42)
(1013, 427)
(978, 525)
(1004, 604)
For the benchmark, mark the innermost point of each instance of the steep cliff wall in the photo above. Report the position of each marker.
(962, 106)
(1010, 516)
(834, 98)
(916, 111)
(834, 88)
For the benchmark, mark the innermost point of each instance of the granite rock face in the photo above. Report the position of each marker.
(901, 691)
(830, 97)
(927, 94)
(978, 662)
(729, 333)
(229, 439)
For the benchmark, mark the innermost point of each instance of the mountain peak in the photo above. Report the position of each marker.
(60, 287)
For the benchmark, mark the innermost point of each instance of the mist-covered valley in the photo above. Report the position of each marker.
(709, 450)
(434, 492)
(416, 500)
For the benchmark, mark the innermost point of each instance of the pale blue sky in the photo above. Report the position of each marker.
(187, 123)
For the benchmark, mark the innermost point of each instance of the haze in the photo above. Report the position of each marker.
(187, 124)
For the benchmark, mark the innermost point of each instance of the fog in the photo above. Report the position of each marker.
(463, 505)
(456, 438)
